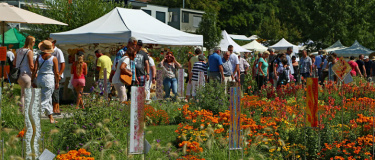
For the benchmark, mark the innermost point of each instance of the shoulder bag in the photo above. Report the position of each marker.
(126, 79)
(15, 72)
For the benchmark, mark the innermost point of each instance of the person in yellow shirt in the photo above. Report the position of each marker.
(104, 62)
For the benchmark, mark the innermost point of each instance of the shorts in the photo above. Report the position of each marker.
(55, 95)
(78, 82)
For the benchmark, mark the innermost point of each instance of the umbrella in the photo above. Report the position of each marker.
(12, 14)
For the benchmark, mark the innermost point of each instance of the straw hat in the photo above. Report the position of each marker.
(46, 46)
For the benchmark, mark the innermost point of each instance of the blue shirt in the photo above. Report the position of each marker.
(214, 61)
(318, 61)
(325, 63)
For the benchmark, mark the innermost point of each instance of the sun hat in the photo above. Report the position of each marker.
(366, 57)
(237, 53)
(201, 57)
(46, 46)
(373, 58)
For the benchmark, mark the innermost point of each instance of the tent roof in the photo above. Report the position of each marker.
(253, 37)
(336, 46)
(12, 36)
(255, 45)
(239, 37)
(120, 24)
(226, 41)
(354, 50)
(283, 44)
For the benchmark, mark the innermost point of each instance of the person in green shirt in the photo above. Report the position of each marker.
(263, 69)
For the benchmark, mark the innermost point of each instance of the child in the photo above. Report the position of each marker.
(283, 73)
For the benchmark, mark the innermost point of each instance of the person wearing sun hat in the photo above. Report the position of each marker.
(46, 77)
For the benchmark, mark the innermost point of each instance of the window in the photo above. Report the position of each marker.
(147, 11)
(196, 21)
(174, 17)
(185, 17)
(160, 16)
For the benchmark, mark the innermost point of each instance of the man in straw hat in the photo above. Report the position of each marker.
(46, 66)
(61, 66)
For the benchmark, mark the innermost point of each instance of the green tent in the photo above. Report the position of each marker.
(14, 37)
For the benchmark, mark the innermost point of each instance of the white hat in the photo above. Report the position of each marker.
(366, 57)
(237, 53)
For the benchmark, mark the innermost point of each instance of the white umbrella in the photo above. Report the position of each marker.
(12, 14)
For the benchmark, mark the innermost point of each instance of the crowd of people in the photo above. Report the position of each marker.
(135, 62)
(284, 68)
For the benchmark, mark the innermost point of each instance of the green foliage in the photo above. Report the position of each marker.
(95, 126)
(211, 97)
(76, 14)
(10, 108)
(323, 21)
(209, 29)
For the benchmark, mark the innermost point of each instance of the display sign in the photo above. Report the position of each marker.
(181, 86)
(159, 84)
(311, 109)
(201, 79)
(137, 118)
(3, 53)
(235, 119)
(32, 121)
(341, 68)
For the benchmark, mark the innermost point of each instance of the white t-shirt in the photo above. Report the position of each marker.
(151, 64)
(233, 58)
(60, 58)
(116, 76)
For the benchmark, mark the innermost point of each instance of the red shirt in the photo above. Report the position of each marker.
(76, 76)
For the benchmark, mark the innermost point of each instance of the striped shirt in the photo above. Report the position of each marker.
(198, 67)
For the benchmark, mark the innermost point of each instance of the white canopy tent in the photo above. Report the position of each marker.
(226, 41)
(239, 37)
(255, 46)
(253, 37)
(120, 24)
(355, 50)
(284, 44)
(336, 46)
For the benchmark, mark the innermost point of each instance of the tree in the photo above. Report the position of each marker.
(75, 14)
(209, 29)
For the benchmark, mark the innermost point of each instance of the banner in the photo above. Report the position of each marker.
(341, 68)
(137, 118)
(181, 83)
(159, 84)
(311, 109)
(235, 119)
(32, 122)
